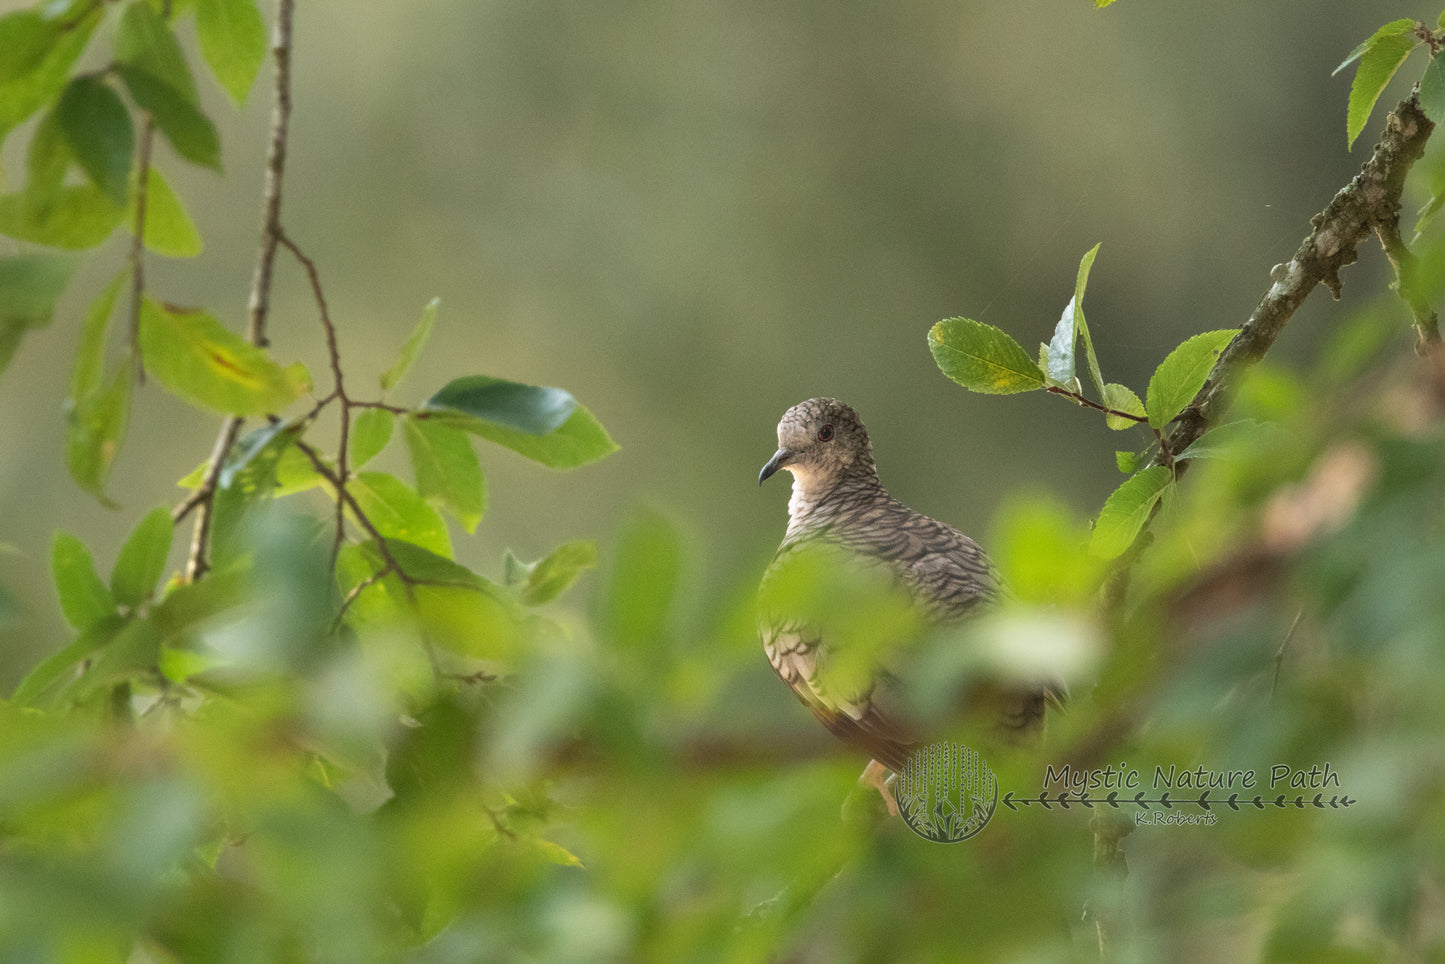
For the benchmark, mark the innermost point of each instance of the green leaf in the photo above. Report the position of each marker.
(84, 598)
(131, 653)
(196, 357)
(169, 230)
(1223, 441)
(1395, 28)
(98, 131)
(145, 41)
(1121, 399)
(251, 466)
(1432, 90)
(556, 853)
(27, 92)
(1081, 282)
(413, 346)
(982, 358)
(48, 157)
(233, 42)
(642, 584)
(525, 408)
(515, 571)
(578, 441)
(397, 512)
(1382, 57)
(1126, 511)
(26, 37)
(96, 428)
(29, 287)
(469, 615)
(370, 433)
(296, 473)
(1180, 376)
(190, 132)
(447, 469)
(53, 667)
(89, 369)
(75, 217)
(556, 573)
(1128, 462)
(142, 559)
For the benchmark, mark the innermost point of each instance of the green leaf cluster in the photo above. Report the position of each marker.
(987, 360)
(1378, 59)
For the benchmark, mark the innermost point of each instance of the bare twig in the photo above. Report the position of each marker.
(344, 496)
(1279, 654)
(355, 592)
(338, 391)
(260, 302)
(137, 245)
(198, 562)
(384, 406)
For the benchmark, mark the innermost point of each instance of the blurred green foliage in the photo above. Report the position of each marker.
(343, 743)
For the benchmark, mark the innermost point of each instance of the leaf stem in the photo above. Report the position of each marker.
(1087, 403)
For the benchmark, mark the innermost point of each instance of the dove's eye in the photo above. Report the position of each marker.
(825, 433)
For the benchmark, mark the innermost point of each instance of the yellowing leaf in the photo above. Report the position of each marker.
(982, 358)
(196, 357)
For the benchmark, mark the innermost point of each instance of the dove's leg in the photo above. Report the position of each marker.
(880, 778)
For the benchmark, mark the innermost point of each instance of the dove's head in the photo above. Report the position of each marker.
(821, 441)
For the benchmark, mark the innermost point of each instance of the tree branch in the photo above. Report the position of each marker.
(197, 564)
(1427, 323)
(1369, 201)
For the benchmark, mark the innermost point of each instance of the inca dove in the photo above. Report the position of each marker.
(839, 504)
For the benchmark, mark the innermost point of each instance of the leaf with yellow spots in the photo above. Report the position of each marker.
(982, 358)
(196, 357)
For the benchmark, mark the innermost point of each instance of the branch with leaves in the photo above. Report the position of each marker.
(1190, 391)
(388, 539)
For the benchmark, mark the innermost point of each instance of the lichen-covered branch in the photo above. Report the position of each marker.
(1369, 202)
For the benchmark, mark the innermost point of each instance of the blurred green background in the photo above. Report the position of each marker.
(693, 215)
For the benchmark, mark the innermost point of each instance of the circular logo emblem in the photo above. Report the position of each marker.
(946, 792)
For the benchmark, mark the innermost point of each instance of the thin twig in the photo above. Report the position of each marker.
(137, 246)
(384, 406)
(343, 495)
(198, 563)
(1087, 403)
(260, 301)
(1279, 654)
(356, 591)
(333, 351)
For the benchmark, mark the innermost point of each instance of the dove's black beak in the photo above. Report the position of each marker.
(780, 458)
